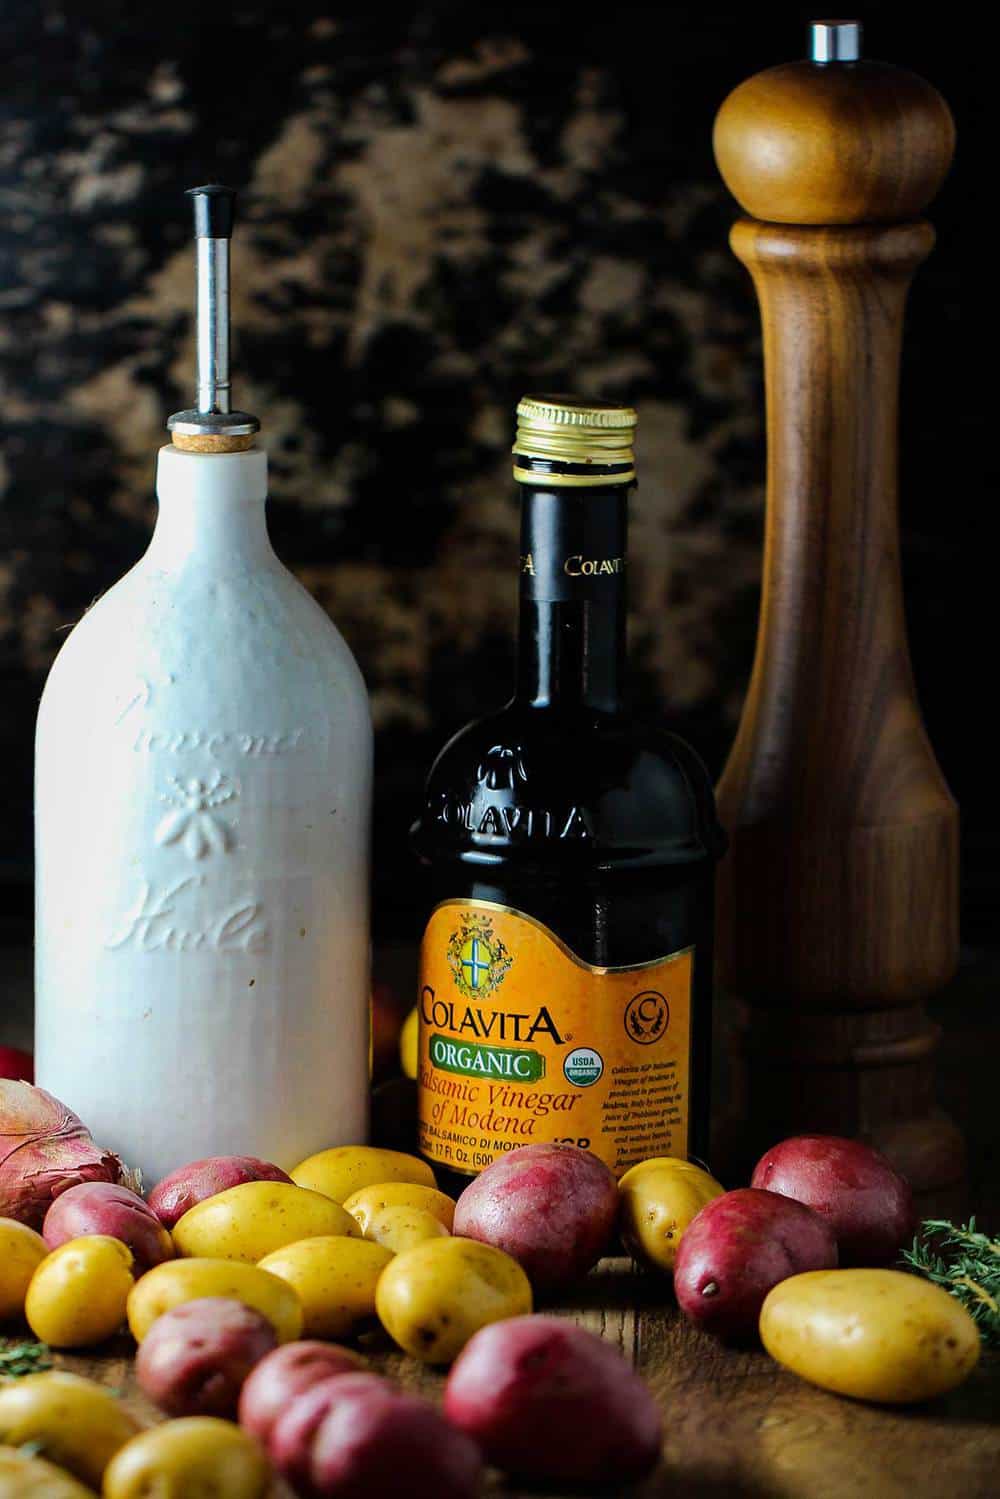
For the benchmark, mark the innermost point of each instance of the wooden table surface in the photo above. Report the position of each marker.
(736, 1426)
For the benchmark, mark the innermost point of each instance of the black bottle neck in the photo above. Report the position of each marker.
(571, 641)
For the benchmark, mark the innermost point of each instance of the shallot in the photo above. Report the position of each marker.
(44, 1149)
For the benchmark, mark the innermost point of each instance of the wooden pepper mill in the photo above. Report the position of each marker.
(838, 900)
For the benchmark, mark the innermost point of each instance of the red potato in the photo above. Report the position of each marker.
(104, 1208)
(547, 1400)
(290, 1443)
(553, 1208)
(17, 1064)
(293, 1432)
(191, 1184)
(375, 1442)
(737, 1249)
(866, 1202)
(195, 1358)
(285, 1374)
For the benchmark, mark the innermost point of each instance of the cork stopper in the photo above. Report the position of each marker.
(212, 442)
(834, 139)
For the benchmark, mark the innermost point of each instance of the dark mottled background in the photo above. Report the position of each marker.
(442, 207)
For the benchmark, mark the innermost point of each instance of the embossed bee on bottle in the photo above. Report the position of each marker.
(192, 821)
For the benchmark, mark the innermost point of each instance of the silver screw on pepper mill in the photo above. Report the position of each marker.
(835, 41)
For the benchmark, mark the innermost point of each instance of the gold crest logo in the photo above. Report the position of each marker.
(477, 958)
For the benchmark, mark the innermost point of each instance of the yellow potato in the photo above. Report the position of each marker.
(199, 1457)
(335, 1280)
(872, 1334)
(345, 1169)
(667, 1163)
(399, 1228)
(178, 1281)
(364, 1205)
(24, 1477)
(78, 1293)
(75, 1422)
(659, 1197)
(21, 1253)
(408, 1043)
(433, 1297)
(256, 1218)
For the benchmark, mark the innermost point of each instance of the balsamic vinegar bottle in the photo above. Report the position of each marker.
(203, 787)
(566, 963)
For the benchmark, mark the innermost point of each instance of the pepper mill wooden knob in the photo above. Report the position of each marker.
(838, 899)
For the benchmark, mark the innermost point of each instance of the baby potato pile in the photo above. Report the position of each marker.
(239, 1282)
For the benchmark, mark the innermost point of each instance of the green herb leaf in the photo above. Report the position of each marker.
(964, 1262)
(22, 1358)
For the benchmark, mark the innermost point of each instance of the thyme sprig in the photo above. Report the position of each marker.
(22, 1358)
(965, 1262)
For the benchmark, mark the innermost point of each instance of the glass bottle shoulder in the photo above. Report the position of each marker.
(540, 785)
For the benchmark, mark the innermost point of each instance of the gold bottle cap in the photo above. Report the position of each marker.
(586, 442)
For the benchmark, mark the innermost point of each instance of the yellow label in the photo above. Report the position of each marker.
(522, 1041)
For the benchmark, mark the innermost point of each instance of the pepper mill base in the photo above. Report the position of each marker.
(867, 1074)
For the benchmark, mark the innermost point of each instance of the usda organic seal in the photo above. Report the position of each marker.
(583, 1066)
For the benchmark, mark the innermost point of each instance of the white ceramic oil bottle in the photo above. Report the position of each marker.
(203, 789)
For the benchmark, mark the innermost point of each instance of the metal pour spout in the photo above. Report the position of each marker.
(213, 226)
(212, 424)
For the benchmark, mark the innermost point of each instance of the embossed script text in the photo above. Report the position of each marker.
(152, 924)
